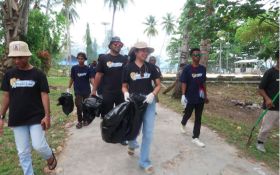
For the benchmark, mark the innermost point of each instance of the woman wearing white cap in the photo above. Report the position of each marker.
(26, 95)
(137, 78)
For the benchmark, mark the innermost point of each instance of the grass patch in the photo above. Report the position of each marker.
(9, 163)
(236, 133)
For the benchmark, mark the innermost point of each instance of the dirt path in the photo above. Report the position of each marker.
(172, 153)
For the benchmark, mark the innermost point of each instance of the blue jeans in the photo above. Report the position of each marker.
(147, 131)
(22, 138)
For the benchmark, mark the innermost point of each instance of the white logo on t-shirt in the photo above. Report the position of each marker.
(137, 76)
(197, 75)
(15, 83)
(111, 64)
(82, 74)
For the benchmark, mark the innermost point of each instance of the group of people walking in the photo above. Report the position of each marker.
(25, 92)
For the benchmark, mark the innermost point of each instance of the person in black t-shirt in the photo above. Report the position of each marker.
(153, 60)
(81, 76)
(109, 69)
(194, 94)
(25, 92)
(268, 88)
(137, 79)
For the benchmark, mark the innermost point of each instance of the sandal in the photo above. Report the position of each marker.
(149, 170)
(53, 164)
(79, 125)
(130, 151)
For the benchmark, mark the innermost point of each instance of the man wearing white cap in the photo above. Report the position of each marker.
(25, 92)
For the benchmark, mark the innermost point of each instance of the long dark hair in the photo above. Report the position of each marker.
(132, 55)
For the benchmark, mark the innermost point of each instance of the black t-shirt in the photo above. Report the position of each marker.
(140, 80)
(81, 76)
(112, 68)
(25, 87)
(270, 84)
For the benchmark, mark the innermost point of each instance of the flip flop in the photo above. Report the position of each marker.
(52, 165)
(149, 170)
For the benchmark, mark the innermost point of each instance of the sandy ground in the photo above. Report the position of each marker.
(172, 153)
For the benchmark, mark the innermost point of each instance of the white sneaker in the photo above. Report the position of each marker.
(198, 142)
(183, 129)
(260, 147)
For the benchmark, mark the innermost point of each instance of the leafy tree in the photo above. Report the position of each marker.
(89, 45)
(260, 37)
(95, 48)
(115, 5)
(151, 24)
(168, 24)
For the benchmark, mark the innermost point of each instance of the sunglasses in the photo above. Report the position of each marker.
(117, 44)
(196, 55)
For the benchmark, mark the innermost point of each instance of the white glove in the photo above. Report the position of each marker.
(150, 98)
(68, 90)
(126, 96)
(184, 100)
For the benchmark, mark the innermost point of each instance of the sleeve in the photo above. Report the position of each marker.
(183, 77)
(72, 73)
(44, 85)
(155, 73)
(125, 76)
(265, 79)
(101, 66)
(5, 83)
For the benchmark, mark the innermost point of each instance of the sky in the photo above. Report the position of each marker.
(128, 22)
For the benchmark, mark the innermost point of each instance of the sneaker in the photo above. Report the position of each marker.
(183, 129)
(124, 143)
(198, 142)
(260, 147)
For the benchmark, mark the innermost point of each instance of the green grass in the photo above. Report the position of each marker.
(9, 164)
(236, 133)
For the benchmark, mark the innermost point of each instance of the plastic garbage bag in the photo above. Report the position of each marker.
(67, 103)
(91, 108)
(124, 121)
(136, 113)
(115, 124)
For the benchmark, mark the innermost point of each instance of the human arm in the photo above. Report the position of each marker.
(97, 81)
(4, 108)
(267, 100)
(206, 96)
(46, 121)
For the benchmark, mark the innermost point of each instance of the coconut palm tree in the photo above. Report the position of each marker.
(168, 24)
(115, 5)
(151, 24)
(71, 16)
(14, 16)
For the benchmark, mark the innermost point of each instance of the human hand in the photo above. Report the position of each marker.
(150, 98)
(126, 96)
(68, 90)
(268, 103)
(46, 123)
(184, 101)
(206, 100)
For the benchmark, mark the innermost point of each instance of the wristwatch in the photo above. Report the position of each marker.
(2, 117)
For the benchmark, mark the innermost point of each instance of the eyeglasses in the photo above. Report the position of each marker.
(117, 44)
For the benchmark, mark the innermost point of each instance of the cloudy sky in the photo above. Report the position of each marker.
(128, 23)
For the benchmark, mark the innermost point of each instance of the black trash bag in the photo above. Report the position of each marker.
(115, 123)
(136, 113)
(91, 108)
(67, 103)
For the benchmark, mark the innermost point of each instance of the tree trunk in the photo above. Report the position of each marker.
(184, 55)
(68, 42)
(205, 46)
(15, 24)
(113, 22)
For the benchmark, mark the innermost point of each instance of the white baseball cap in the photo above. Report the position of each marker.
(19, 49)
